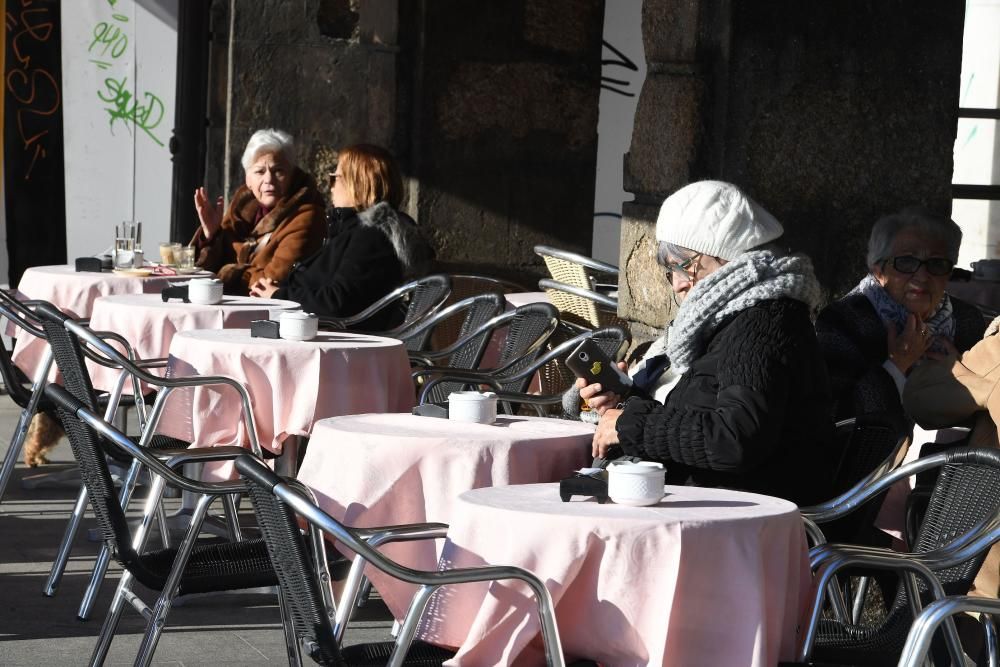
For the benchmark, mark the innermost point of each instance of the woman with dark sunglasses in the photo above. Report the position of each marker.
(898, 315)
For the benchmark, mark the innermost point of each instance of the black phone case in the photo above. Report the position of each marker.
(591, 363)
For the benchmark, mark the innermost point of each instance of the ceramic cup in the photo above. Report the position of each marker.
(297, 325)
(472, 406)
(636, 484)
(205, 291)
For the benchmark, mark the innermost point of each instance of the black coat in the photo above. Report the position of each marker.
(855, 345)
(751, 413)
(357, 265)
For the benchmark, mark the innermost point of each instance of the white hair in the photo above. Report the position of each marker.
(269, 141)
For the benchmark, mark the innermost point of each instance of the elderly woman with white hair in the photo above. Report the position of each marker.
(275, 219)
(897, 315)
(745, 401)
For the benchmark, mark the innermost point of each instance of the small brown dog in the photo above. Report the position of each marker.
(43, 435)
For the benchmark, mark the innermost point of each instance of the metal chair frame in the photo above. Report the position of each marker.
(437, 282)
(95, 347)
(509, 370)
(828, 559)
(31, 400)
(598, 266)
(557, 354)
(476, 308)
(163, 472)
(429, 582)
(819, 513)
(581, 307)
(918, 641)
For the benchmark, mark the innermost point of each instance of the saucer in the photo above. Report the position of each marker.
(140, 273)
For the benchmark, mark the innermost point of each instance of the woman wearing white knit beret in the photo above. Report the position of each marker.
(744, 402)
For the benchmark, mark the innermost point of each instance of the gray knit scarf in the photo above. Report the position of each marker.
(754, 276)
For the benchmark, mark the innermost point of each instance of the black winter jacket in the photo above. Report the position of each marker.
(752, 413)
(364, 257)
(854, 343)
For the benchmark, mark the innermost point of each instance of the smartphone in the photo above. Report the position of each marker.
(590, 362)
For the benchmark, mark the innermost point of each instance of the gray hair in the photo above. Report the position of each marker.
(269, 141)
(920, 220)
(665, 250)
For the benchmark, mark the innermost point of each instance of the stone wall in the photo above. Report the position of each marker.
(491, 108)
(504, 134)
(323, 70)
(829, 114)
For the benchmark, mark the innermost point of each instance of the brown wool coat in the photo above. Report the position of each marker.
(296, 228)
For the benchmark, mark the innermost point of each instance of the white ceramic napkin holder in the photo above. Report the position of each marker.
(205, 291)
(636, 484)
(472, 406)
(298, 325)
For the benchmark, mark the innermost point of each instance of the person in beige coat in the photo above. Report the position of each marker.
(962, 391)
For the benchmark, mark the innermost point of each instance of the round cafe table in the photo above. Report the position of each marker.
(384, 469)
(149, 323)
(75, 292)
(292, 384)
(705, 577)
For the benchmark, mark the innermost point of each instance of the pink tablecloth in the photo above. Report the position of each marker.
(706, 577)
(383, 469)
(292, 383)
(74, 292)
(515, 299)
(149, 323)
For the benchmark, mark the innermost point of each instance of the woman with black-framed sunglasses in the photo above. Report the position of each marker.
(898, 315)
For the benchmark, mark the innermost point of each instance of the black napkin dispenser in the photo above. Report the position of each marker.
(264, 329)
(92, 264)
(175, 292)
(585, 485)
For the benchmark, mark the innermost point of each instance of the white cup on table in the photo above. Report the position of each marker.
(205, 291)
(636, 484)
(472, 406)
(297, 325)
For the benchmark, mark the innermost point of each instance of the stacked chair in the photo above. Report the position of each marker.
(583, 289)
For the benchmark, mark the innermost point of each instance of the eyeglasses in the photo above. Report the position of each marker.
(332, 178)
(936, 266)
(683, 267)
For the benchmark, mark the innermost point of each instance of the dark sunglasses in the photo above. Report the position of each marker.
(332, 178)
(936, 266)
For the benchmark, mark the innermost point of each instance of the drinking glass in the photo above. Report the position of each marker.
(187, 257)
(167, 254)
(124, 252)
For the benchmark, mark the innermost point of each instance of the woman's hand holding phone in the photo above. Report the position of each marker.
(598, 399)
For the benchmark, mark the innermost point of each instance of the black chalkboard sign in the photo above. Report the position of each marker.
(33, 137)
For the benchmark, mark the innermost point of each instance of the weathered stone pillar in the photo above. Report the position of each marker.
(828, 114)
(665, 144)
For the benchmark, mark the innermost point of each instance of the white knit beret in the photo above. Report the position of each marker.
(716, 219)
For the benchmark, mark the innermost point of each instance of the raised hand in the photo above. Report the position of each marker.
(906, 348)
(210, 216)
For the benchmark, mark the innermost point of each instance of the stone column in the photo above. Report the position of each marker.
(668, 132)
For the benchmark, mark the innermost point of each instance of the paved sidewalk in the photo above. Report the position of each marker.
(37, 630)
